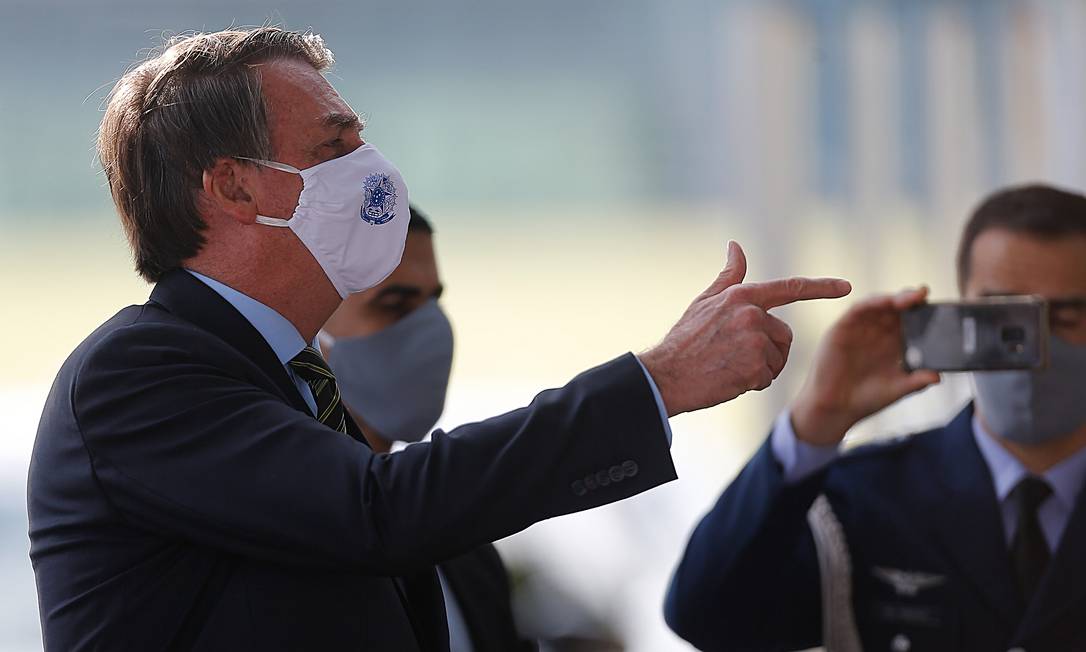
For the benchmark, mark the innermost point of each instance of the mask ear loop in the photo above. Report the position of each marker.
(282, 167)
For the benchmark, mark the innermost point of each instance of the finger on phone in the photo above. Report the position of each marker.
(910, 297)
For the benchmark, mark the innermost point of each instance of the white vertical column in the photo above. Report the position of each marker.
(1025, 129)
(875, 98)
(955, 172)
(1063, 90)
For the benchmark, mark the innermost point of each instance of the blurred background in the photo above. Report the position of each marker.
(584, 163)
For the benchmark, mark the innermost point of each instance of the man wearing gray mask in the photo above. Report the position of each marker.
(967, 537)
(394, 340)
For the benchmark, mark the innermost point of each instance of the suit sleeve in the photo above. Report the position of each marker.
(749, 577)
(186, 449)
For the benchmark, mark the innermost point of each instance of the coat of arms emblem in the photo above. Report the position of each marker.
(379, 199)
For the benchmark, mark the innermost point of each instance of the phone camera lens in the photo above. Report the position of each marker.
(1014, 337)
(1014, 334)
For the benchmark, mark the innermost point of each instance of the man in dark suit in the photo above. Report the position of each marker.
(967, 537)
(195, 483)
(394, 340)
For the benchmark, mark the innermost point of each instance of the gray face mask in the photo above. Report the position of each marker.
(395, 380)
(1032, 407)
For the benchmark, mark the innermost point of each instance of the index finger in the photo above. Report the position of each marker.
(781, 292)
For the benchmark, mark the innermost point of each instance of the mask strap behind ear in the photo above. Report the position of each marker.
(282, 167)
(272, 221)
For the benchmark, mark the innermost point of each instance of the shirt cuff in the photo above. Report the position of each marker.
(798, 459)
(659, 400)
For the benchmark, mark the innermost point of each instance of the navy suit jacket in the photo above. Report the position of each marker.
(182, 496)
(928, 566)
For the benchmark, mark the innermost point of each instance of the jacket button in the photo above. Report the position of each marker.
(578, 488)
(602, 479)
(590, 483)
(901, 643)
(629, 467)
(616, 473)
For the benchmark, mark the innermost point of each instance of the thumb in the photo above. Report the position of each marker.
(735, 270)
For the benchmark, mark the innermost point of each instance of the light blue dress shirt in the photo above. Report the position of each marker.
(1065, 478)
(277, 331)
(659, 400)
(799, 460)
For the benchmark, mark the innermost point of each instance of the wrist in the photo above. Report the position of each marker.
(819, 424)
(650, 361)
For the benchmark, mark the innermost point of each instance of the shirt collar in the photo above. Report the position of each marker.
(277, 331)
(1066, 478)
(1005, 468)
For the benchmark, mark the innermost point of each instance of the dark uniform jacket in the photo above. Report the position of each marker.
(897, 547)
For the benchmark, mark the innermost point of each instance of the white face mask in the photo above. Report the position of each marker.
(352, 215)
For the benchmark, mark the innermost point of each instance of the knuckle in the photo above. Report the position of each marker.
(750, 316)
(779, 330)
(762, 380)
(789, 334)
(795, 286)
(737, 294)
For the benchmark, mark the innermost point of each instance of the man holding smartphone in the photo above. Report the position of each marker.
(967, 537)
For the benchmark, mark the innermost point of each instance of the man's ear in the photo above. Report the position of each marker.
(228, 185)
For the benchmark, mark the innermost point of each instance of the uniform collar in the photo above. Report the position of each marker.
(1065, 478)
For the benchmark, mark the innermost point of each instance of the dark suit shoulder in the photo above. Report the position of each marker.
(145, 333)
(883, 460)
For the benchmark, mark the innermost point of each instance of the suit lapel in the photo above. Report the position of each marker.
(1064, 583)
(967, 520)
(187, 297)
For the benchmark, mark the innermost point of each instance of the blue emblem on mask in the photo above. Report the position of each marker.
(379, 201)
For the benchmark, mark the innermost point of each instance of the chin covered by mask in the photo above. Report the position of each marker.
(395, 379)
(1032, 407)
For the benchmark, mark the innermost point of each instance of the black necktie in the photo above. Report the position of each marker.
(1029, 549)
(318, 375)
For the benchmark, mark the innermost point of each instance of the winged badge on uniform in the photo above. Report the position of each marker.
(907, 583)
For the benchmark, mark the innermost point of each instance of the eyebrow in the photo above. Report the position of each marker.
(406, 291)
(403, 291)
(342, 120)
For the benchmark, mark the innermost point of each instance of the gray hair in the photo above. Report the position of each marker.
(194, 101)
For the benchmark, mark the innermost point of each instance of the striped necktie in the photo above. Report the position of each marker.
(312, 368)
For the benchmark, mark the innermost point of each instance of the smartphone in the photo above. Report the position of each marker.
(984, 335)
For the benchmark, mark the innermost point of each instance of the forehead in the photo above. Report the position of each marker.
(418, 265)
(1019, 263)
(298, 97)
